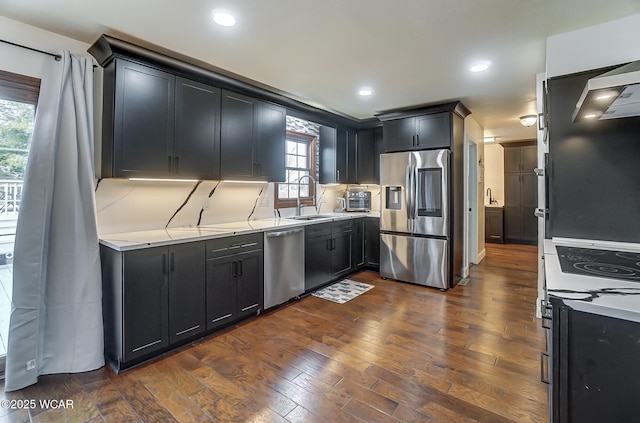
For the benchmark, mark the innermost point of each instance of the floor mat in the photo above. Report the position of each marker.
(343, 291)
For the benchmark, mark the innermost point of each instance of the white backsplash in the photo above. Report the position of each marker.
(126, 206)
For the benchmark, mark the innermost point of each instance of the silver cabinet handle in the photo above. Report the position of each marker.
(539, 213)
(539, 171)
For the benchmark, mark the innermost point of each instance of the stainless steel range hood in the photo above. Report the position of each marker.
(612, 95)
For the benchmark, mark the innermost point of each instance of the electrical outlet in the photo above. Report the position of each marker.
(31, 364)
(263, 201)
(207, 204)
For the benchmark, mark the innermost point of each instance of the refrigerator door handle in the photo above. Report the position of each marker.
(409, 196)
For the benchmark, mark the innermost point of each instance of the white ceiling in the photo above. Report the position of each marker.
(321, 52)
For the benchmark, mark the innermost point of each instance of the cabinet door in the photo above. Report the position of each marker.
(358, 244)
(196, 151)
(512, 206)
(353, 164)
(399, 134)
(317, 262)
(187, 316)
(342, 254)
(365, 157)
(221, 290)
(146, 313)
(236, 137)
(377, 150)
(143, 121)
(250, 283)
(372, 241)
(342, 168)
(512, 159)
(433, 131)
(529, 158)
(529, 201)
(271, 134)
(328, 151)
(493, 226)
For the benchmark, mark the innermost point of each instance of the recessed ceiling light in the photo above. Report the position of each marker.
(589, 116)
(480, 66)
(365, 91)
(604, 96)
(224, 18)
(489, 139)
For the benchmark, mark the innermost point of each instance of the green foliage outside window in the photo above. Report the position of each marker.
(16, 127)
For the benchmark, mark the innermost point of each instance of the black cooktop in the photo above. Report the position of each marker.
(601, 263)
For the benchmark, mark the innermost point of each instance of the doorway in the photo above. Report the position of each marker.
(471, 205)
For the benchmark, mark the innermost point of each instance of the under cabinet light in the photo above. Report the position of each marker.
(163, 180)
(244, 182)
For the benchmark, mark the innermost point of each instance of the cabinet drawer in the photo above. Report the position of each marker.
(319, 229)
(342, 226)
(233, 244)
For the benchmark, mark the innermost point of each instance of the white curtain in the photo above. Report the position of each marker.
(56, 313)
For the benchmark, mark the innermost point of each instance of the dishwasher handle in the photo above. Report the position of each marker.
(284, 233)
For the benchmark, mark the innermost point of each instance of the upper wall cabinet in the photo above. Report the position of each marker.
(156, 124)
(252, 139)
(368, 149)
(420, 129)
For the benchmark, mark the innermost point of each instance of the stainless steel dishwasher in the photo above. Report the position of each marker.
(283, 266)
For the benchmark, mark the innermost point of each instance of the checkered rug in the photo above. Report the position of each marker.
(343, 291)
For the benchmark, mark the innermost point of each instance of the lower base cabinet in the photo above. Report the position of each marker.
(372, 242)
(594, 376)
(152, 298)
(235, 279)
(328, 252)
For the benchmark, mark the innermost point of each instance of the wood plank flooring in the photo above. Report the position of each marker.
(399, 352)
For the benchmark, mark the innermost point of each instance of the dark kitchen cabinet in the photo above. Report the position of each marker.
(342, 259)
(359, 254)
(521, 185)
(368, 149)
(593, 375)
(196, 152)
(334, 155)
(145, 320)
(152, 298)
(328, 252)
(235, 280)
(418, 132)
(158, 125)
(494, 224)
(372, 240)
(252, 139)
(317, 253)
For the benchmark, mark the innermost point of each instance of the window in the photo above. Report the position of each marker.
(18, 98)
(300, 160)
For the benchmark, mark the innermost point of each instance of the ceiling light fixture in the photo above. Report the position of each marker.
(590, 116)
(224, 18)
(365, 91)
(528, 120)
(480, 66)
(489, 139)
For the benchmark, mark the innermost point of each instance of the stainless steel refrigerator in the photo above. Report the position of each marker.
(415, 219)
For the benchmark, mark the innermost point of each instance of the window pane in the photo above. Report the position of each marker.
(304, 190)
(293, 176)
(302, 162)
(302, 149)
(293, 191)
(292, 147)
(292, 161)
(283, 191)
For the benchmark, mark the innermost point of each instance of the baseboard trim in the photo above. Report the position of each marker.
(481, 255)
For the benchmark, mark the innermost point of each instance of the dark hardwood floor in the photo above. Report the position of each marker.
(399, 352)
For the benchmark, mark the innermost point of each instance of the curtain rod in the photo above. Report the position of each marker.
(57, 56)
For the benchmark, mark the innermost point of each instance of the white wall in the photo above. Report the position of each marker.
(25, 62)
(594, 47)
(494, 173)
(474, 132)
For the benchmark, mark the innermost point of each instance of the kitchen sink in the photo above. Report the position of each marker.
(312, 217)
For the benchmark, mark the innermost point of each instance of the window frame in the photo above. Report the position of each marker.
(312, 141)
(23, 89)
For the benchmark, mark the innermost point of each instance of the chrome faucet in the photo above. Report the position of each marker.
(298, 205)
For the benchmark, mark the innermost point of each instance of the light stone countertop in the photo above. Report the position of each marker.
(162, 237)
(598, 295)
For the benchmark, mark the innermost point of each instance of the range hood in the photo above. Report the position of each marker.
(612, 95)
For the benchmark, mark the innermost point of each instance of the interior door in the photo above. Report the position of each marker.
(430, 184)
